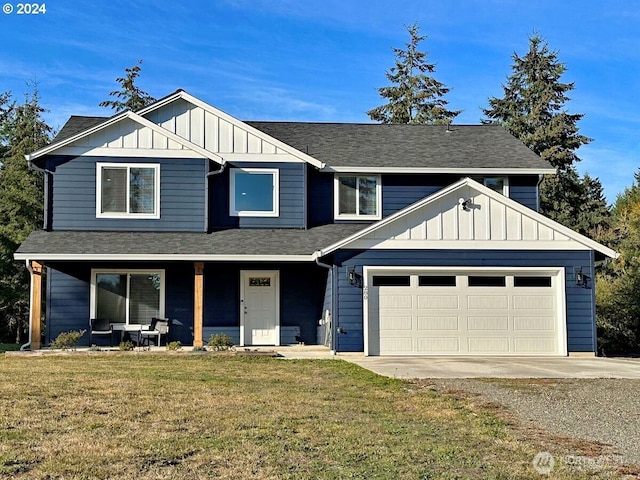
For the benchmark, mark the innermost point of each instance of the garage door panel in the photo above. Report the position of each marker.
(533, 302)
(446, 345)
(391, 345)
(395, 323)
(442, 302)
(429, 316)
(526, 345)
(438, 323)
(488, 323)
(488, 345)
(488, 302)
(534, 323)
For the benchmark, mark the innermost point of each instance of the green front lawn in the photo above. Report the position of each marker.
(187, 416)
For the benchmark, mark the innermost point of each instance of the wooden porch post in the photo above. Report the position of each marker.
(198, 304)
(36, 305)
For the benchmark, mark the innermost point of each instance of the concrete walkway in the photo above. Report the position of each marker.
(499, 367)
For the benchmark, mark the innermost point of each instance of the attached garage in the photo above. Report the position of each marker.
(481, 311)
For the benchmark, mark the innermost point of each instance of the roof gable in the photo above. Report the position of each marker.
(177, 125)
(468, 215)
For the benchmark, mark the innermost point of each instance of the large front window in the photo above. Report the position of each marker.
(130, 298)
(253, 192)
(128, 190)
(357, 197)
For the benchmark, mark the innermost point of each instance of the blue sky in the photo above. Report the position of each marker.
(323, 60)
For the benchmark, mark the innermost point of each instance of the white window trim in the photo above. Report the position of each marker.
(95, 272)
(336, 199)
(505, 184)
(274, 172)
(128, 166)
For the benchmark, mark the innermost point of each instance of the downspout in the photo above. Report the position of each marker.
(540, 178)
(333, 316)
(48, 173)
(206, 195)
(28, 263)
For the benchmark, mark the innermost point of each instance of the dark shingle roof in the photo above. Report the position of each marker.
(240, 241)
(376, 145)
(77, 124)
(426, 146)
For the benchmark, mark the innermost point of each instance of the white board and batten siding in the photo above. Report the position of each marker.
(461, 318)
(488, 223)
(218, 134)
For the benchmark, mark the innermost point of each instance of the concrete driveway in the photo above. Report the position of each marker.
(499, 367)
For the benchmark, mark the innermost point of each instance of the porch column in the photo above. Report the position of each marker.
(198, 304)
(36, 305)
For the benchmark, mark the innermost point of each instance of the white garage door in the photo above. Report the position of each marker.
(464, 313)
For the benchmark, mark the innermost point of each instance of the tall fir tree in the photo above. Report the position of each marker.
(414, 97)
(130, 97)
(21, 208)
(533, 109)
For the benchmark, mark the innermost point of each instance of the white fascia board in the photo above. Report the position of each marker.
(85, 133)
(590, 244)
(468, 245)
(127, 152)
(176, 138)
(443, 170)
(254, 131)
(163, 257)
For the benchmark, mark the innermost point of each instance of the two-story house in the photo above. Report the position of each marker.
(382, 239)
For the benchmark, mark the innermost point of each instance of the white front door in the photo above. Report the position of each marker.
(259, 308)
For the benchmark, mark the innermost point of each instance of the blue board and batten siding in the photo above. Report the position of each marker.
(292, 198)
(182, 196)
(580, 312)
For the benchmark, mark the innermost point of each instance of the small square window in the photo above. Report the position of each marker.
(127, 190)
(497, 184)
(253, 192)
(357, 197)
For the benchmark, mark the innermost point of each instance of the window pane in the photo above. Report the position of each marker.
(111, 294)
(144, 297)
(531, 281)
(485, 281)
(347, 195)
(437, 280)
(114, 190)
(253, 192)
(392, 281)
(142, 196)
(367, 193)
(496, 184)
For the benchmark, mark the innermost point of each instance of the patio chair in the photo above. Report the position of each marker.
(158, 327)
(100, 326)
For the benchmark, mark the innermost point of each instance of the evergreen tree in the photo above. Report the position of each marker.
(532, 108)
(414, 96)
(21, 209)
(130, 97)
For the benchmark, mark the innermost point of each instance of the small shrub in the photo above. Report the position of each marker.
(174, 345)
(94, 348)
(199, 349)
(125, 346)
(220, 342)
(67, 340)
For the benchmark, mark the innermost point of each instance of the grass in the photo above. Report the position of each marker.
(186, 416)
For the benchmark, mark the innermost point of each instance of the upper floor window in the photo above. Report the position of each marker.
(497, 184)
(128, 190)
(253, 192)
(357, 197)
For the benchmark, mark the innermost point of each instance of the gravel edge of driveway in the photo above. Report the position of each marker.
(606, 411)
